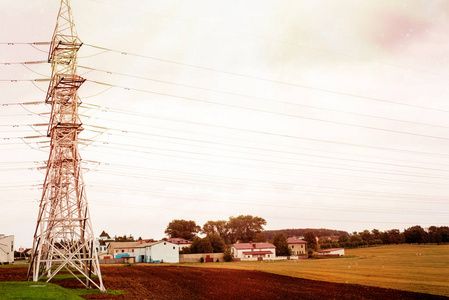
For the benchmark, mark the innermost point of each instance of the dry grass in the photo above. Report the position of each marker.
(416, 268)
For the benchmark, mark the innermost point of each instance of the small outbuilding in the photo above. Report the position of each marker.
(333, 252)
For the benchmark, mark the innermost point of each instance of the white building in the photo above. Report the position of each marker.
(334, 251)
(162, 251)
(254, 250)
(102, 242)
(6, 249)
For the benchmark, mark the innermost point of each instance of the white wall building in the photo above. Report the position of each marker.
(254, 250)
(162, 251)
(6, 249)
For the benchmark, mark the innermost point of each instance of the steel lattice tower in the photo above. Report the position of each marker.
(64, 238)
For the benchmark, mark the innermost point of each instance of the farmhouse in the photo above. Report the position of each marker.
(162, 251)
(6, 249)
(333, 252)
(253, 250)
(298, 246)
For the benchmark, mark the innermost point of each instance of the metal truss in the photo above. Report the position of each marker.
(64, 238)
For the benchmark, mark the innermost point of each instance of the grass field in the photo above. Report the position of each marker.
(35, 290)
(416, 268)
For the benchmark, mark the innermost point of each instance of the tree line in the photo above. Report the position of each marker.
(247, 228)
(244, 228)
(412, 235)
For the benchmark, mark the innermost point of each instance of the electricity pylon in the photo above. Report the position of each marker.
(64, 239)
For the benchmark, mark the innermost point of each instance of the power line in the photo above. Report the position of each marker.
(262, 98)
(290, 163)
(271, 81)
(85, 105)
(270, 150)
(271, 112)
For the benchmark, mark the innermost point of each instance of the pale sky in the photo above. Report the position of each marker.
(320, 114)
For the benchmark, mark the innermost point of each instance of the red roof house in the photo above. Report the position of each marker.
(253, 250)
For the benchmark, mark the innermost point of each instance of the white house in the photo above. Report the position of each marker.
(161, 251)
(6, 249)
(334, 251)
(253, 250)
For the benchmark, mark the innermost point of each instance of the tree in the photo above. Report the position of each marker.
(395, 236)
(415, 234)
(182, 229)
(343, 240)
(200, 245)
(310, 238)
(244, 228)
(280, 241)
(366, 236)
(260, 237)
(124, 238)
(220, 227)
(355, 240)
(227, 255)
(217, 242)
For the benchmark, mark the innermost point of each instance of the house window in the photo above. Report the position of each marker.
(165, 243)
(293, 246)
(302, 246)
(116, 250)
(173, 248)
(123, 251)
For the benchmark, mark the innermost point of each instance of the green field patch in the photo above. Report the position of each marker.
(44, 290)
(35, 290)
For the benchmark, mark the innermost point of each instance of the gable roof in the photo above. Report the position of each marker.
(152, 244)
(105, 234)
(245, 246)
(123, 244)
(295, 240)
(179, 241)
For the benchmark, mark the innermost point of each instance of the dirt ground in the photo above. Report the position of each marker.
(174, 282)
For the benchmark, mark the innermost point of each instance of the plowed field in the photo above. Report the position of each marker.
(174, 282)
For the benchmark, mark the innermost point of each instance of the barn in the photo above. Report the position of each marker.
(161, 251)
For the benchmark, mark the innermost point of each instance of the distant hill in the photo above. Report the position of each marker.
(269, 234)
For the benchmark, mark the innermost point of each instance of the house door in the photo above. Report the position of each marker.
(142, 258)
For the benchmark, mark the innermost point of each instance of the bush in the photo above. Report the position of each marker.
(227, 255)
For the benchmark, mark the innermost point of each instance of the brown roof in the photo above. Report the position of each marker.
(114, 245)
(179, 241)
(294, 240)
(243, 246)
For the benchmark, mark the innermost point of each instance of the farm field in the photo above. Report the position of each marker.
(417, 268)
(148, 281)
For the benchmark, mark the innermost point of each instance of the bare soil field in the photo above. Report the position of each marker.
(174, 282)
